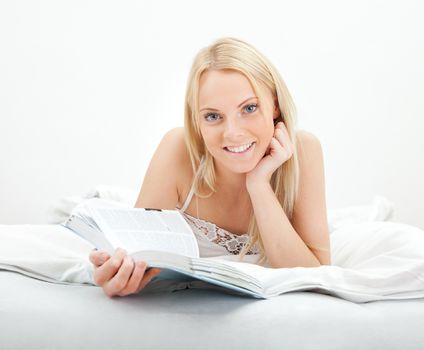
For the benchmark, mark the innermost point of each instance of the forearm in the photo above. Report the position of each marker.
(282, 244)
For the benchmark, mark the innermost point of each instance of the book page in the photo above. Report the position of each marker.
(137, 229)
(268, 277)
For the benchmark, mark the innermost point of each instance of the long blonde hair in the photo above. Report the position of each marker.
(235, 54)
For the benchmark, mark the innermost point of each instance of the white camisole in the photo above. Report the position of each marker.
(213, 240)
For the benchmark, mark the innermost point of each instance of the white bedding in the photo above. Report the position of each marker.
(380, 209)
(372, 260)
(37, 315)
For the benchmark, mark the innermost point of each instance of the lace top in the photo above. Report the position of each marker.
(212, 239)
(232, 243)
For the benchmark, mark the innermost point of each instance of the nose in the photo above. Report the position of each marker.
(233, 128)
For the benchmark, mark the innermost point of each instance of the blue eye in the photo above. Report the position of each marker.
(251, 105)
(211, 114)
(249, 109)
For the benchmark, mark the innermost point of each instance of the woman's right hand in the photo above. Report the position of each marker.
(118, 274)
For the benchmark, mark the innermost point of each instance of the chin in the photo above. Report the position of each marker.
(240, 167)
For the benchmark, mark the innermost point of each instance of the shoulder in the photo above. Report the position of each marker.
(173, 144)
(309, 213)
(162, 181)
(309, 149)
(311, 166)
(310, 158)
(174, 138)
(178, 156)
(307, 141)
(174, 141)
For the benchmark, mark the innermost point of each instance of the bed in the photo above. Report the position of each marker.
(48, 300)
(40, 315)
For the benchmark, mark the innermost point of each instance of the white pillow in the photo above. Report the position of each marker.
(59, 211)
(381, 209)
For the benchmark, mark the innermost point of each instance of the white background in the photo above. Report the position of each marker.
(88, 88)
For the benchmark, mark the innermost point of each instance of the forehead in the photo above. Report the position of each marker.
(218, 85)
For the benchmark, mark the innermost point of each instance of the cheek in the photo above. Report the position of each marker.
(268, 131)
(266, 143)
(209, 139)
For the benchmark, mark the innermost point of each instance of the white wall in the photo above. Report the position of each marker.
(87, 89)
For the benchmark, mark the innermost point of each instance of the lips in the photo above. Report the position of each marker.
(239, 149)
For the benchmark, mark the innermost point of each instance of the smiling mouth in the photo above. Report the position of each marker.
(240, 149)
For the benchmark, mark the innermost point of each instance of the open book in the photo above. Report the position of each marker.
(164, 240)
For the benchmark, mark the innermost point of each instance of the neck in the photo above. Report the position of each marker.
(232, 191)
(230, 183)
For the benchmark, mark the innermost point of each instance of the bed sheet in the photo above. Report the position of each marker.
(41, 315)
(36, 314)
(370, 261)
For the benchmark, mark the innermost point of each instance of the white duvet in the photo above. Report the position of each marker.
(372, 259)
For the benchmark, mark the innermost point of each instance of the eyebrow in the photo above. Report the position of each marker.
(214, 109)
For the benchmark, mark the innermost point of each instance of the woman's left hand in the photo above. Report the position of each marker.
(279, 151)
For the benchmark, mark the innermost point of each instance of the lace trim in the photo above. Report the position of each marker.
(230, 241)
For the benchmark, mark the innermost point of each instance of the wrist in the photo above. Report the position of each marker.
(258, 187)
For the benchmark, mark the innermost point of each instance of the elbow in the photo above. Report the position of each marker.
(312, 261)
(323, 259)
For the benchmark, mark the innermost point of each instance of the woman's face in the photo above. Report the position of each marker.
(236, 129)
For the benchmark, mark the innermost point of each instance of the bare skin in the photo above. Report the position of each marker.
(243, 183)
(119, 275)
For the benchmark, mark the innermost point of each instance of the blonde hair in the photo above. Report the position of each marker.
(235, 54)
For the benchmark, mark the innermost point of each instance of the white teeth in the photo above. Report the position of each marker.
(240, 148)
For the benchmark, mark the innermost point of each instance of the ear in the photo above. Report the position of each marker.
(276, 112)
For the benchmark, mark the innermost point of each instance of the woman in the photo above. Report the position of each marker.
(257, 182)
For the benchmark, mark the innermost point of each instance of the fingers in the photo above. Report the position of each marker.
(109, 269)
(118, 284)
(131, 278)
(136, 277)
(93, 255)
(282, 135)
(148, 276)
(119, 275)
(98, 258)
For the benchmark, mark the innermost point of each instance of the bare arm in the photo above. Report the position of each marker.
(159, 189)
(119, 274)
(310, 210)
(306, 242)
